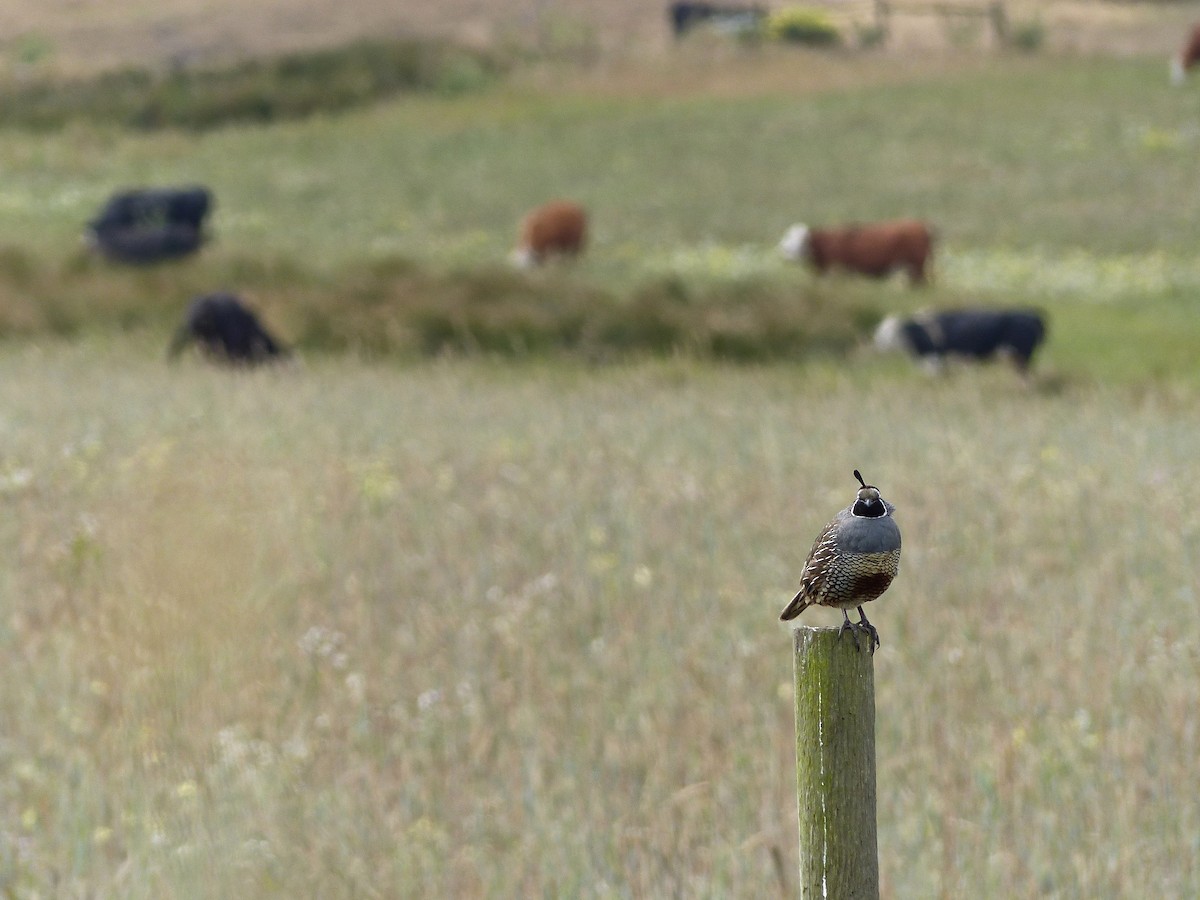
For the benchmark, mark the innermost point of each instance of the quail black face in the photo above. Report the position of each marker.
(868, 504)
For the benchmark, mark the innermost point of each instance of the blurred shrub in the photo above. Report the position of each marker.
(1028, 36)
(803, 25)
(257, 90)
(394, 307)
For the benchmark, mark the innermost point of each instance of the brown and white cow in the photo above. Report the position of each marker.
(558, 227)
(876, 249)
(1183, 61)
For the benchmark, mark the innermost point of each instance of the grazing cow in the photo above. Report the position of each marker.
(1182, 62)
(977, 334)
(150, 225)
(685, 15)
(557, 227)
(225, 330)
(145, 245)
(156, 206)
(875, 249)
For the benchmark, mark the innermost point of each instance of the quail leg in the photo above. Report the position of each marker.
(849, 626)
(868, 628)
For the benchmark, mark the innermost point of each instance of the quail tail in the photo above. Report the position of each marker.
(799, 603)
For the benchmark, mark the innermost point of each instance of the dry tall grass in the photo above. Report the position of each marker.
(466, 630)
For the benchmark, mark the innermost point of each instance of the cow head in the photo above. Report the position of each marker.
(523, 258)
(889, 334)
(795, 242)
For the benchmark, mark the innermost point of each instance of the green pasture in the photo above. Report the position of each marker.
(1012, 153)
(1062, 183)
(375, 625)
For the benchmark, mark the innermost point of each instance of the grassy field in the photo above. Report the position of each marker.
(1000, 153)
(470, 630)
(382, 627)
(1072, 192)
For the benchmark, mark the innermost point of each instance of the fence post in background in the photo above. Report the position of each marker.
(882, 20)
(835, 766)
(999, 19)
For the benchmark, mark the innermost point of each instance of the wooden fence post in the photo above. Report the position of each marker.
(883, 16)
(835, 766)
(999, 17)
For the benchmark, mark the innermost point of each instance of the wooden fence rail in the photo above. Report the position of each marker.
(883, 12)
(994, 11)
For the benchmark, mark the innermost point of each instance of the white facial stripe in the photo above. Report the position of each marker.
(870, 503)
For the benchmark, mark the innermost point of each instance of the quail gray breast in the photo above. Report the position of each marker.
(852, 561)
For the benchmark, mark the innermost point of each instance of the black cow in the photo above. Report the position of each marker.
(150, 225)
(145, 245)
(685, 15)
(225, 330)
(156, 206)
(977, 334)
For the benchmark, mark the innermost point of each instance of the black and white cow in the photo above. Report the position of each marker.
(976, 334)
(144, 226)
(226, 330)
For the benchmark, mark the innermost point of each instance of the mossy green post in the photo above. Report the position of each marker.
(835, 766)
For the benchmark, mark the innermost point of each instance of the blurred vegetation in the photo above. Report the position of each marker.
(384, 230)
(803, 25)
(1028, 35)
(291, 86)
(459, 603)
(397, 307)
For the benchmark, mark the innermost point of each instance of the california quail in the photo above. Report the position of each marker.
(852, 561)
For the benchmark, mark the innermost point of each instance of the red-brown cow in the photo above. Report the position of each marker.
(557, 227)
(1186, 58)
(875, 249)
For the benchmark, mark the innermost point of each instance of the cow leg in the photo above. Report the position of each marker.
(1022, 362)
(183, 335)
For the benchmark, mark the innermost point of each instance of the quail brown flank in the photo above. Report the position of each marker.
(852, 561)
